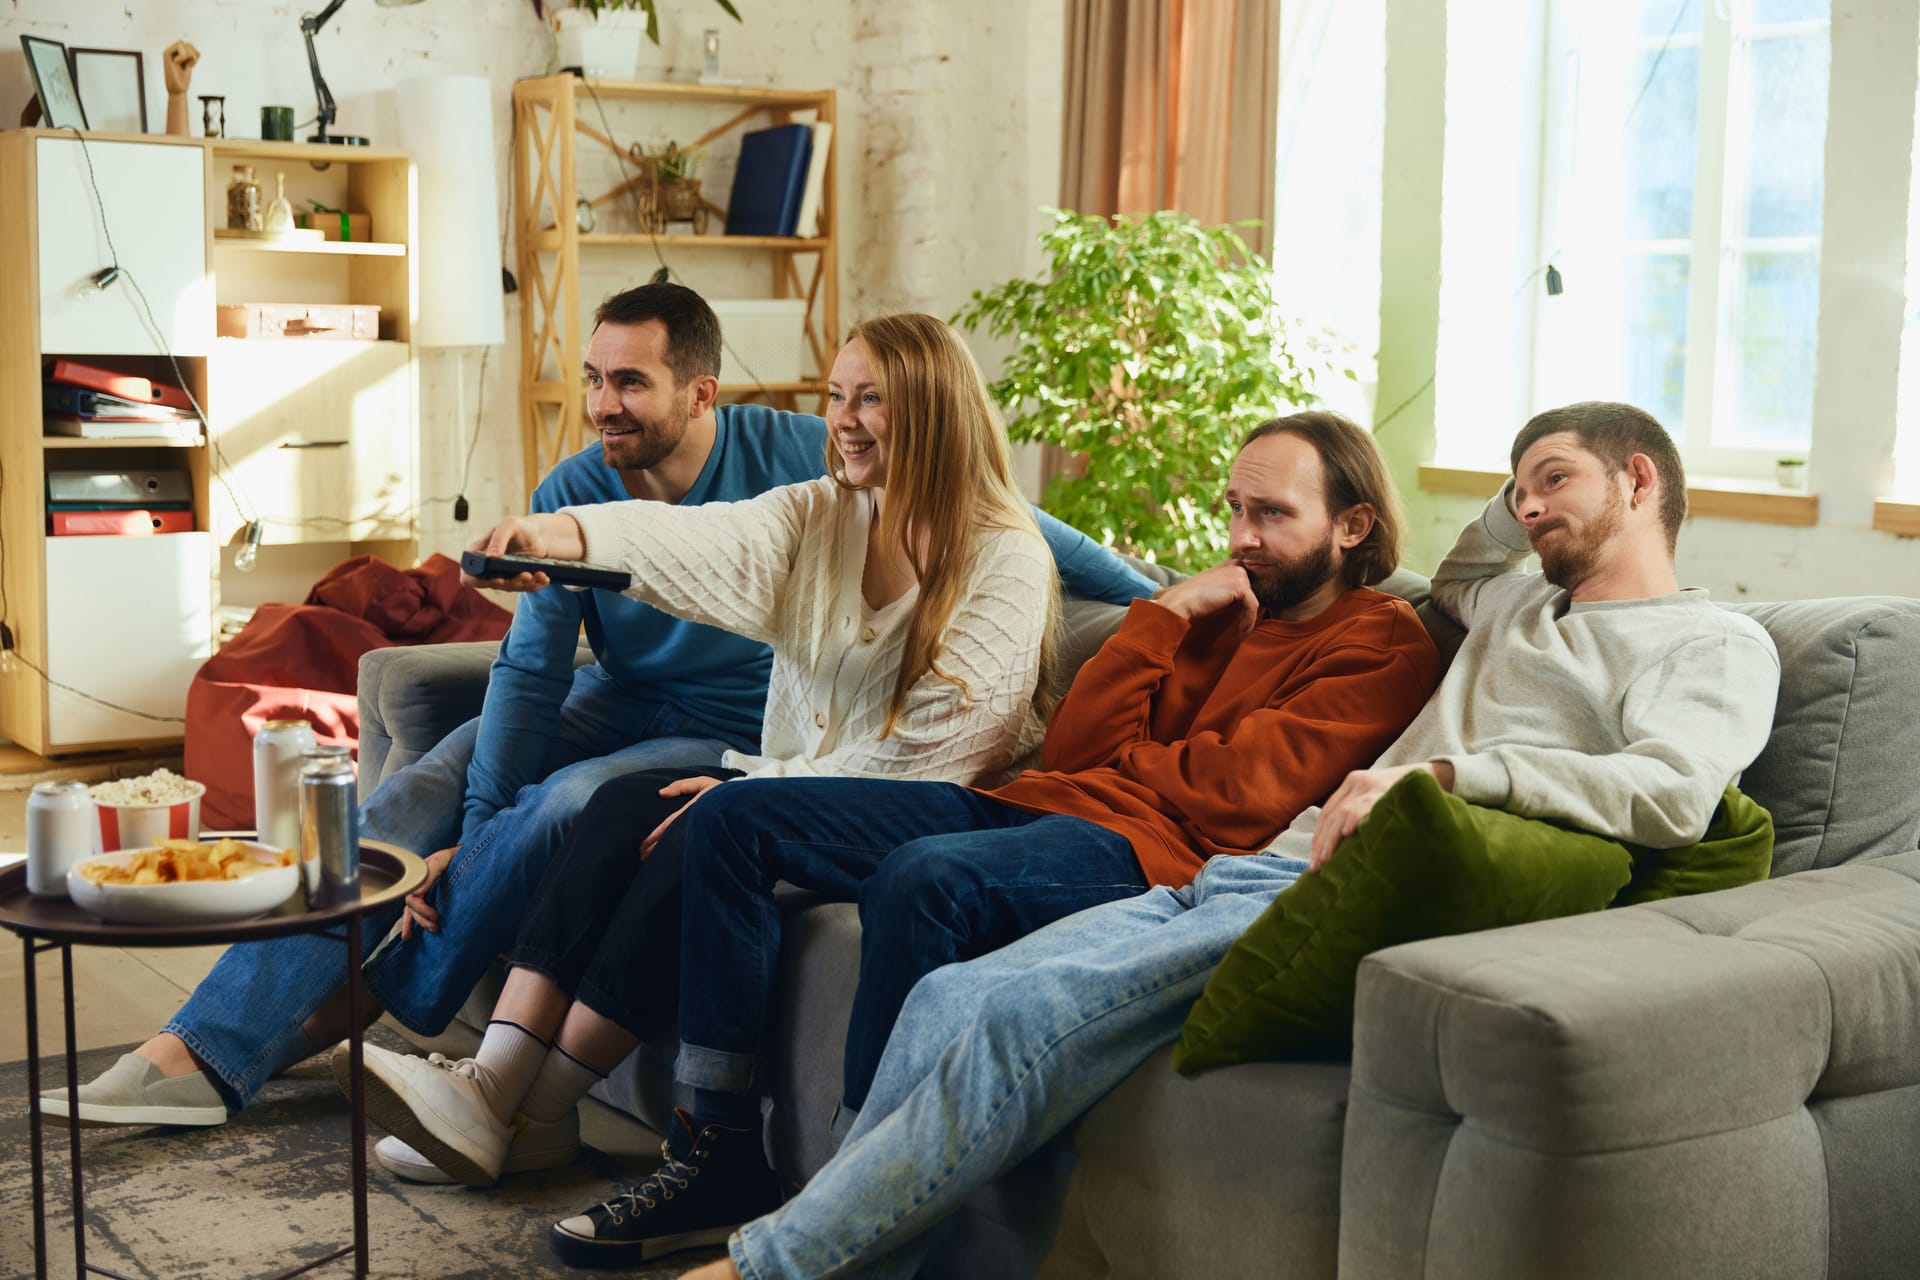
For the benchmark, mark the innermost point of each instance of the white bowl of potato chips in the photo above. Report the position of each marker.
(184, 882)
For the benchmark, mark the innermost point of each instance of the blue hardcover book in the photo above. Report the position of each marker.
(769, 181)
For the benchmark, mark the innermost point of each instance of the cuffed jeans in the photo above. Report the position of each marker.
(605, 925)
(992, 1058)
(245, 1017)
(941, 873)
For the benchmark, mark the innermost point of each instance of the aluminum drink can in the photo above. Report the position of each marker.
(277, 752)
(60, 831)
(329, 833)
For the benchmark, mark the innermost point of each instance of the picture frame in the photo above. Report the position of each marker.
(53, 81)
(112, 84)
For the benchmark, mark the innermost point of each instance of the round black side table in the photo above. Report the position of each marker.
(387, 874)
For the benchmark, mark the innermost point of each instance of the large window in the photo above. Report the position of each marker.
(1681, 202)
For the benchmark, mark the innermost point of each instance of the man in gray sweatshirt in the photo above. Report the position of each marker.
(1596, 693)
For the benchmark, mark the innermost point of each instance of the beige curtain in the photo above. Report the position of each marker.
(1172, 104)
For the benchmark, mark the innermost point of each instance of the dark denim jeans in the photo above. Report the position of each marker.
(941, 873)
(604, 926)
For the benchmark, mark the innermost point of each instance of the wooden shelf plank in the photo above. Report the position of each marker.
(548, 241)
(325, 248)
(125, 442)
(720, 94)
(1902, 519)
(632, 240)
(309, 152)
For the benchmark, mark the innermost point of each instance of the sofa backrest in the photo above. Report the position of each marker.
(1840, 773)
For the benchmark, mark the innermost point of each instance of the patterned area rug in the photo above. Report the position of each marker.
(271, 1190)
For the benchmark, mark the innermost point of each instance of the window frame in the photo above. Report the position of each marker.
(1714, 245)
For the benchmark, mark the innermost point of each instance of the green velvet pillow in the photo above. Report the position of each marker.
(1426, 864)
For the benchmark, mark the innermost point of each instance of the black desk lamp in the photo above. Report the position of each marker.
(309, 27)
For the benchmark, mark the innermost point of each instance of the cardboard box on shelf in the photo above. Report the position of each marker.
(299, 320)
(357, 227)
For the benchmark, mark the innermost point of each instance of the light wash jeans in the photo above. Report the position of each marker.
(993, 1057)
(244, 1019)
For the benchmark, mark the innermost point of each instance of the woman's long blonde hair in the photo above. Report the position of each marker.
(949, 477)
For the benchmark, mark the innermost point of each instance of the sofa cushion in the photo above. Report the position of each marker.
(1427, 864)
(1841, 771)
(1737, 849)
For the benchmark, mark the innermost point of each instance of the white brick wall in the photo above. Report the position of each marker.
(949, 141)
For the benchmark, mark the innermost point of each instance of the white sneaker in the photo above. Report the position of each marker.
(433, 1104)
(536, 1145)
(133, 1091)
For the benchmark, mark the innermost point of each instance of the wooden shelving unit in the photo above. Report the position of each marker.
(319, 437)
(547, 128)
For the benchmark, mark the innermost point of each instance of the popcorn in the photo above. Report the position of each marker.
(162, 786)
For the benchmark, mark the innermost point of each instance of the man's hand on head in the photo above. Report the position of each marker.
(1354, 799)
(1221, 588)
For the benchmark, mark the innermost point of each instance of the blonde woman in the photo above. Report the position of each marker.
(910, 603)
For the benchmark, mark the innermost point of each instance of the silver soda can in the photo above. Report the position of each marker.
(277, 752)
(60, 831)
(329, 833)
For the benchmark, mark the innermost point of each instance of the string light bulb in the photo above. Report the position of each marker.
(248, 555)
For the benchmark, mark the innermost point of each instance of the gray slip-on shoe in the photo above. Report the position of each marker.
(132, 1091)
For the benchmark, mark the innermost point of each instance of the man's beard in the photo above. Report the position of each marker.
(1284, 584)
(1574, 556)
(647, 447)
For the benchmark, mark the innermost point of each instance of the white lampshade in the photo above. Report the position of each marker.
(447, 122)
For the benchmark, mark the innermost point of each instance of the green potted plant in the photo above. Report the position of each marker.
(1790, 473)
(1150, 347)
(668, 188)
(604, 50)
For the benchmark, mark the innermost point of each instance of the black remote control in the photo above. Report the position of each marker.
(572, 573)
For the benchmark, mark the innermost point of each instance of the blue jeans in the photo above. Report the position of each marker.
(994, 1057)
(244, 1019)
(941, 874)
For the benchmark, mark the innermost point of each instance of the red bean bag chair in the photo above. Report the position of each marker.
(301, 662)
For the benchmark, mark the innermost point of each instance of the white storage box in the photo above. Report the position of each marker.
(764, 339)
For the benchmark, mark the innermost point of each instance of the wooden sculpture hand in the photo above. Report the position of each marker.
(178, 61)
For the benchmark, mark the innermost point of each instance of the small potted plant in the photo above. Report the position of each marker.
(668, 188)
(589, 38)
(1790, 473)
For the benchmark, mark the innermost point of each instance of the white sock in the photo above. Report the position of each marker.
(505, 1065)
(562, 1082)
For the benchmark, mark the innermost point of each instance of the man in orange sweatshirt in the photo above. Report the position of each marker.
(1218, 712)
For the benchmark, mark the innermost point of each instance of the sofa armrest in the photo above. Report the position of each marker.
(1700, 1087)
(412, 696)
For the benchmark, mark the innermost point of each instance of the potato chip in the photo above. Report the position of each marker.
(178, 861)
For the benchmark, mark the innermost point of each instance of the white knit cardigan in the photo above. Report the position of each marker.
(784, 568)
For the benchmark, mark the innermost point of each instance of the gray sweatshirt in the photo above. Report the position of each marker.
(1626, 718)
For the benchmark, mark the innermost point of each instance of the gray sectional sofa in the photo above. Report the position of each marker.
(1722, 1086)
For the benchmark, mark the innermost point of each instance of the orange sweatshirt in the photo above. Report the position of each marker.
(1191, 741)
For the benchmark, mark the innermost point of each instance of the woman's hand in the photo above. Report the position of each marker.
(418, 913)
(546, 536)
(693, 789)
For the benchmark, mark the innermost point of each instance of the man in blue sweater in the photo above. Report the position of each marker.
(488, 806)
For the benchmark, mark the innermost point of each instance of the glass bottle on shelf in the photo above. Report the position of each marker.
(243, 200)
(279, 213)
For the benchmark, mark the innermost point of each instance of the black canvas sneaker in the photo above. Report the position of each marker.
(711, 1182)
